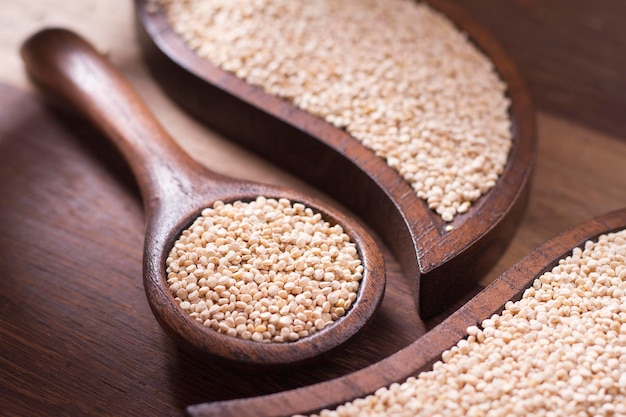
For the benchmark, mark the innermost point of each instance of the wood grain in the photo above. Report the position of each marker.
(77, 336)
(569, 51)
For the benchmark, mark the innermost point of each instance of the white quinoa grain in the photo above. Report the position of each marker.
(243, 279)
(395, 74)
(523, 362)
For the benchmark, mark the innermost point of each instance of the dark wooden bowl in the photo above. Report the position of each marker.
(441, 265)
(421, 354)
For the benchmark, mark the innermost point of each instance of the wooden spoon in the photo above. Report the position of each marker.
(421, 354)
(443, 265)
(175, 189)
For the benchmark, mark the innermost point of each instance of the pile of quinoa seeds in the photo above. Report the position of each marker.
(559, 351)
(396, 75)
(265, 270)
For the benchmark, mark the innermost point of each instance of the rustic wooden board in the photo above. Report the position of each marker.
(569, 51)
(79, 346)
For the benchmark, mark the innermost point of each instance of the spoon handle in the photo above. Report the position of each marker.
(67, 66)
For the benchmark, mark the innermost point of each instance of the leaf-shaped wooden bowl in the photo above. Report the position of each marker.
(441, 265)
(421, 354)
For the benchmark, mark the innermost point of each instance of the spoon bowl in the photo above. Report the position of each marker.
(175, 189)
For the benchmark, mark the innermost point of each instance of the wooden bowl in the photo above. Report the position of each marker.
(421, 354)
(441, 265)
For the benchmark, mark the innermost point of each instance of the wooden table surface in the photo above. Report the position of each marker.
(76, 334)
